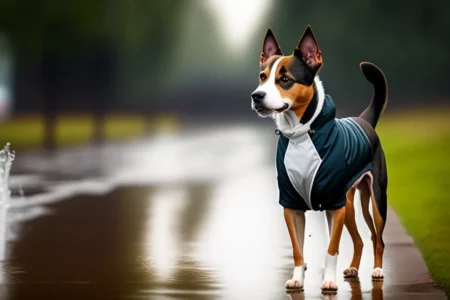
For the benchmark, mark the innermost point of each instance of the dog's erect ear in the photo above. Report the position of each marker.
(270, 47)
(308, 50)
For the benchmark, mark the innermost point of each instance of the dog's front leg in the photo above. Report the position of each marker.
(295, 221)
(329, 279)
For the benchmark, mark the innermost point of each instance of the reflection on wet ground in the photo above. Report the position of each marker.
(204, 225)
(21, 192)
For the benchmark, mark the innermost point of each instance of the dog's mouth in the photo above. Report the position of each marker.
(264, 110)
(260, 107)
(284, 108)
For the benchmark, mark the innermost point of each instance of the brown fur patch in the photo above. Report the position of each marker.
(262, 58)
(336, 231)
(350, 223)
(365, 202)
(289, 218)
(300, 95)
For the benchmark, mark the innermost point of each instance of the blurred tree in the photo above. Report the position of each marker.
(146, 33)
(48, 36)
(53, 38)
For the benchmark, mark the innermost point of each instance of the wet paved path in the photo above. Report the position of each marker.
(190, 216)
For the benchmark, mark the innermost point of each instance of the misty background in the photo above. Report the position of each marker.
(145, 108)
(200, 57)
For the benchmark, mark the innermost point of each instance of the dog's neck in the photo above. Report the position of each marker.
(289, 123)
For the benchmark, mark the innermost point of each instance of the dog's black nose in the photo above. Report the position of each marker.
(258, 97)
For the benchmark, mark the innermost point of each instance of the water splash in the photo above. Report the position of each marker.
(7, 157)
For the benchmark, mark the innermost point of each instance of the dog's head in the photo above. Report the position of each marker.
(286, 82)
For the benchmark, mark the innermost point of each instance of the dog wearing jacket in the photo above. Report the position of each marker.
(322, 160)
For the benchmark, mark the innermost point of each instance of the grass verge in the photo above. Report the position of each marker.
(26, 132)
(417, 147)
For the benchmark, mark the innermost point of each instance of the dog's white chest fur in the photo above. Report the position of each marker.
(302, 163)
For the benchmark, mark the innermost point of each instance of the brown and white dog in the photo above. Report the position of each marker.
(321, 160)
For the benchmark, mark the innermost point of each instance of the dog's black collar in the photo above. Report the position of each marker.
(311, 109)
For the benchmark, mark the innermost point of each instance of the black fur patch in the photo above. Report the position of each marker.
(301, 72)
(311, 109)
(285, 85)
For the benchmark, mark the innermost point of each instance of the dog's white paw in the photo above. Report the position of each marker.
(351, 272)
(329, 286)
(293, 284)
(377, 274)
(296, 283)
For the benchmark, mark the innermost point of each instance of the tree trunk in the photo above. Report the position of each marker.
(102, 69)
(49, 83)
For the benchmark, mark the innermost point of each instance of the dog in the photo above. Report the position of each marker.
(322, 160)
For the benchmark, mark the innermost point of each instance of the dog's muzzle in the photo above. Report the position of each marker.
(258, 103)
(258, 97)
(258, 100)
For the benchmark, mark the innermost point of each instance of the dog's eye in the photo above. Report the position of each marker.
(262, 76)
(285, 78)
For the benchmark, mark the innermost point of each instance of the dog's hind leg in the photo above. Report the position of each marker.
(350, 223)
(375, 188)
(370, 189)
(378, 194)
(295, 221)
(364, 192)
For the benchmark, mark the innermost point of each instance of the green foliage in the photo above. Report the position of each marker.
(63, 26)
(49, 25)
(409, 40)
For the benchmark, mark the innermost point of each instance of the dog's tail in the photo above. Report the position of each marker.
(380, 94)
